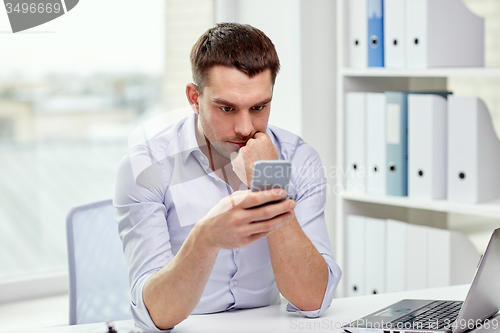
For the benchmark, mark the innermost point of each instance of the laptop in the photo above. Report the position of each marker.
(415, 316)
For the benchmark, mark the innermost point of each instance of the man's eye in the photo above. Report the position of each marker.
(226, 108)
(258, 108)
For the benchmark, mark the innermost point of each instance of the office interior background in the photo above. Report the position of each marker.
(73, 89)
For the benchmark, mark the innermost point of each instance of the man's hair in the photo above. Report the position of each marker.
(233, 45)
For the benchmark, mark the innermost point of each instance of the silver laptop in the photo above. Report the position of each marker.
(412, 316)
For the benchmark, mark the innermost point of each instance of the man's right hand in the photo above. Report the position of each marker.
(232, 222)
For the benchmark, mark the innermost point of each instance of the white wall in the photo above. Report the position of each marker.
(279, 20)
(318, 75)
(185, 22)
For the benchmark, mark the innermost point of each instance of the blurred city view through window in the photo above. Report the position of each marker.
(61, 139)
(71, 91)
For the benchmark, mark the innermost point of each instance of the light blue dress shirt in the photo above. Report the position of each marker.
(165, 186)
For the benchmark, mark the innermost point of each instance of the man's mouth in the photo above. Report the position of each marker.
(238, 144)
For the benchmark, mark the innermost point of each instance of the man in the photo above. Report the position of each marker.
(195, 238)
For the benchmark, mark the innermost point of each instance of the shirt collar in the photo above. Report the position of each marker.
(187, 138)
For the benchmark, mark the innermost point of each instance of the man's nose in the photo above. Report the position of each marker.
(244, 125)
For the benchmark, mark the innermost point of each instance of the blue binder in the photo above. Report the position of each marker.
(397, 143)
(375, 10)
(397, 139)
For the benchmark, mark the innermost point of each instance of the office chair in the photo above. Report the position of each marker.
(98, 275)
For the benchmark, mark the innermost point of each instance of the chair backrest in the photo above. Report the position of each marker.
(98, 275)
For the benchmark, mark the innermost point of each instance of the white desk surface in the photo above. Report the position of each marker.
(276, 319)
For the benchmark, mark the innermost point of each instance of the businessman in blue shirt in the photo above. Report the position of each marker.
(185, 213)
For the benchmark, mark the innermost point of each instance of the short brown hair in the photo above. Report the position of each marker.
(240, 46)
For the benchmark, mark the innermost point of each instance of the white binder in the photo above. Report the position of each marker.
(357, 41)
(452, 258)
(443, 33)
(355, 141)
(395, 276)
(355, 255)
(416, 257)
(473, 152)
(427, 146)
(464, 259)
(438, 258)
(375, 143)
(375, 256)
(394, 33)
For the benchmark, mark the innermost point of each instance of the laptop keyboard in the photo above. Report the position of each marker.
(436, 315)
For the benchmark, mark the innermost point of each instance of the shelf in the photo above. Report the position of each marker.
(379, 80)
(485, 209)
(428, 72)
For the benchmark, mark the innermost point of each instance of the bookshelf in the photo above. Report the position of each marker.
(430, 72)
(433, 213)
(483, 209)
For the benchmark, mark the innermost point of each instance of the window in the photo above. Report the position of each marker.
(7, 128)
(71, 91)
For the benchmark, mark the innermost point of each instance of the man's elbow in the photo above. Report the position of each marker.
(309, 304)
(165, 321)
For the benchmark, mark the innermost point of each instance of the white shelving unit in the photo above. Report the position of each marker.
(430, 72)
(484, 209)
(433, 213)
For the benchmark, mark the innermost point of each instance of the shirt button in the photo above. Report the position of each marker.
(237, 250)
(235, 282)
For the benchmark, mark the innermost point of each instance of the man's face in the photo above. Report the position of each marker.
(233, 107)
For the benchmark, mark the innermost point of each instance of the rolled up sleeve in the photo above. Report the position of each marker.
(141, 217)
(140, 313)
(334, 275)
(309, 187)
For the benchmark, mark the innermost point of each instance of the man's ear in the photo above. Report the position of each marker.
(192, 96)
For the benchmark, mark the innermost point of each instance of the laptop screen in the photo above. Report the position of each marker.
(483, 299)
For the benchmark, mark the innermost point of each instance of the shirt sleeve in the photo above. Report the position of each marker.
(309, 191)
(141, 217)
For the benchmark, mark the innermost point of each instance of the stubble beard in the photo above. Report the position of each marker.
(222, 148)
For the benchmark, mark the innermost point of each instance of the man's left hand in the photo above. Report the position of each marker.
(258, 148)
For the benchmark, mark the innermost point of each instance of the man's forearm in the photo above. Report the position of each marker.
(173, 292)
(300, 270)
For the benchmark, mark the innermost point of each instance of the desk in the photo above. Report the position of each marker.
(275, 319)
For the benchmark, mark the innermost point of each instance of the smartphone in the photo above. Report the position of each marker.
(271, 174)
